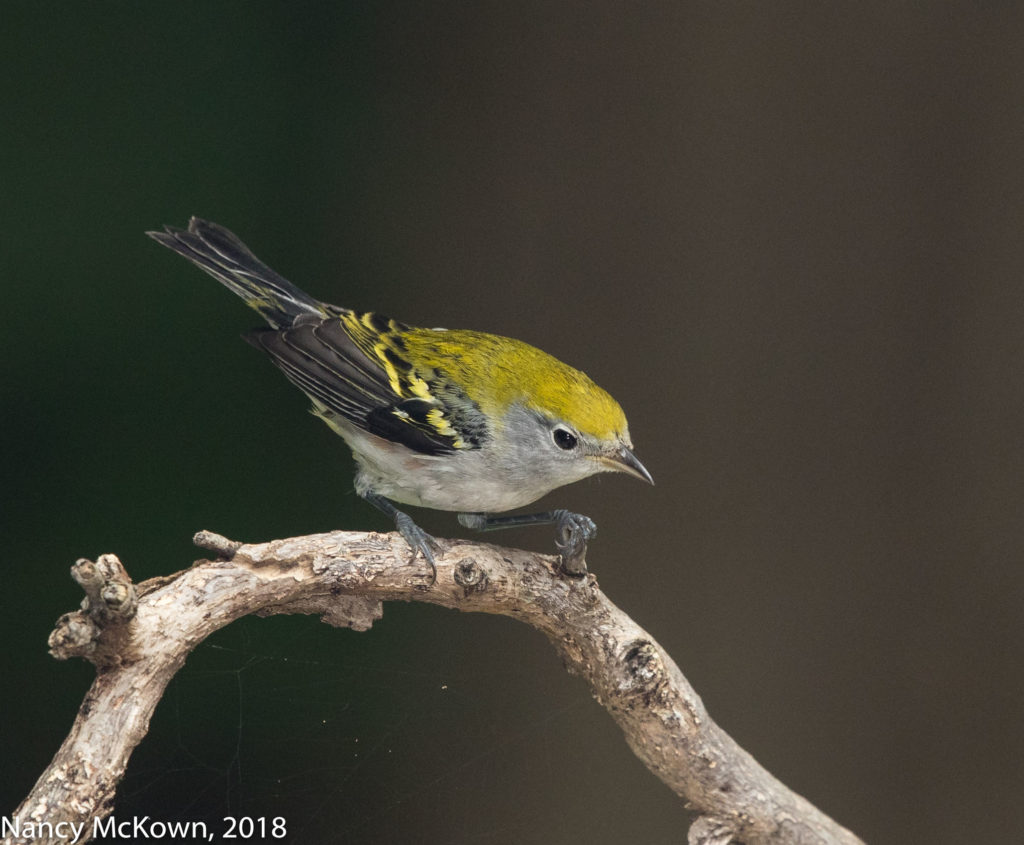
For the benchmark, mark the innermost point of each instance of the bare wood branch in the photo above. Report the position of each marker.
(138, 637)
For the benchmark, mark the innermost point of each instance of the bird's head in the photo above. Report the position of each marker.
(566, 428)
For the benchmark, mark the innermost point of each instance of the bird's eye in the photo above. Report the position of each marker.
(564, 439)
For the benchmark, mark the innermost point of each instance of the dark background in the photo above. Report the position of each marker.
(787, 237)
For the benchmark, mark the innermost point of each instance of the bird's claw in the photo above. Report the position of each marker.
(419, 541)
(574, 532)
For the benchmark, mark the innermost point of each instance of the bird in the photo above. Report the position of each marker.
(450, 420)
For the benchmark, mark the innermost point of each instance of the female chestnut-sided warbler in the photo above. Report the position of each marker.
(452, 420)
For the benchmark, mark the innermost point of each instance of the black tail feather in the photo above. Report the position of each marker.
(221, 254)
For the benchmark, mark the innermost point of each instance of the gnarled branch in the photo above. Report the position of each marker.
(139, 636)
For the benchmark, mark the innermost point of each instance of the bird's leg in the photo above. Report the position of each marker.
(574, 532)
(418, 539)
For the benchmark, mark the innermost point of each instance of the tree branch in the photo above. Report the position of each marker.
(138, 637)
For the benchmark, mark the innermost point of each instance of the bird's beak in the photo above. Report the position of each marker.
(623, 460)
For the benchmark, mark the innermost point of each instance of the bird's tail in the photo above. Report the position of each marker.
(221, 254)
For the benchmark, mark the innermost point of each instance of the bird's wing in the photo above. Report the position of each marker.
(369, 385)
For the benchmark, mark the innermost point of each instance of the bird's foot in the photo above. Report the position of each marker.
(419, 541)
(574, 532)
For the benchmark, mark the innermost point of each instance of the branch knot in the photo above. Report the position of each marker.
(646, 668)
(470, 575)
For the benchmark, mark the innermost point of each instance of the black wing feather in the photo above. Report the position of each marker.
(320, 358)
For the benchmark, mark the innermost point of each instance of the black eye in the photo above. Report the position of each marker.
(564, 439)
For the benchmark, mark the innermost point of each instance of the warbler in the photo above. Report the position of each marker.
(452, 420)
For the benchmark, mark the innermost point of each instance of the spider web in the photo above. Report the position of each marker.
(356, 737)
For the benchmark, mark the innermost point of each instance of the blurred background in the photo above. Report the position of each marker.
(787, 237)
